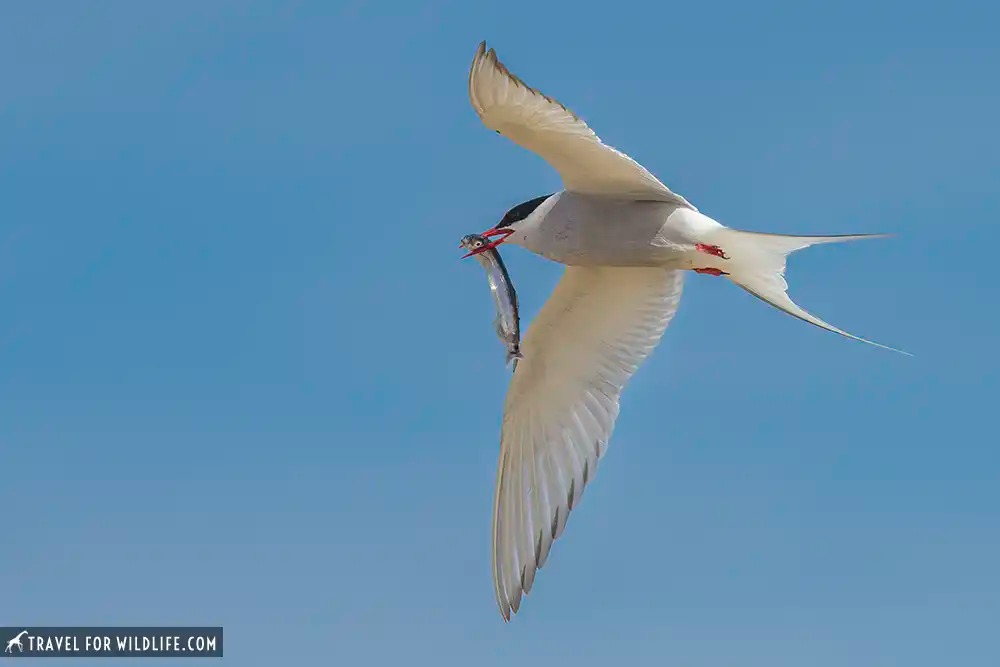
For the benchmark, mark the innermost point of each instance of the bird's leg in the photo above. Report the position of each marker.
(713, 250)
(711, 272)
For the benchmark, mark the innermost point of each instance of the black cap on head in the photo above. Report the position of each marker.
(522, 211)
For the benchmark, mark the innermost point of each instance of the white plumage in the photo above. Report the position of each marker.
(626, 239)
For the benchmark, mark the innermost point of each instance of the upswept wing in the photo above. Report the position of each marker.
(544, 126)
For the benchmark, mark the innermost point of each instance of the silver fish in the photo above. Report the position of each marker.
(508, 321)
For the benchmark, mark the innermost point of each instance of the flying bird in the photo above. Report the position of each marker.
(626, 240)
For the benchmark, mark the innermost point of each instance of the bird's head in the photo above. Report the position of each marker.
(509, 224)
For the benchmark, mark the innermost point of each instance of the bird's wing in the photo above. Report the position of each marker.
(544, 126)
(590, 337)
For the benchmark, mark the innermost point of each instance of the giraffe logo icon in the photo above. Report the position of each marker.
(16, 641)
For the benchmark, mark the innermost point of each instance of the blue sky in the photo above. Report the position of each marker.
(245, 379)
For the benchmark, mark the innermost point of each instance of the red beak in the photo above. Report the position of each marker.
(503, 233)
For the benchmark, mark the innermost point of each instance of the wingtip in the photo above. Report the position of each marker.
(484, 52)
(476, 59)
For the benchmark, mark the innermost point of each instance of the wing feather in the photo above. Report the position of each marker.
(539, 123)
(597, 328)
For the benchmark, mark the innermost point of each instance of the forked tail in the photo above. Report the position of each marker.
(757, 264)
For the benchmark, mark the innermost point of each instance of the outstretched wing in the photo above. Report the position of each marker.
(541, 124)
(598, 326)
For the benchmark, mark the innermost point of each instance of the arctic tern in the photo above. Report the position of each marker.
(626, 240)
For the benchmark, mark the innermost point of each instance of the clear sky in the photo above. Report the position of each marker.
(245, 379)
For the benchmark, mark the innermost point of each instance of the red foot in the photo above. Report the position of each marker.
(712, 272)
(711, 250)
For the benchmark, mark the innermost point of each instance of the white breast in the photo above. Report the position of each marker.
(585, 230)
